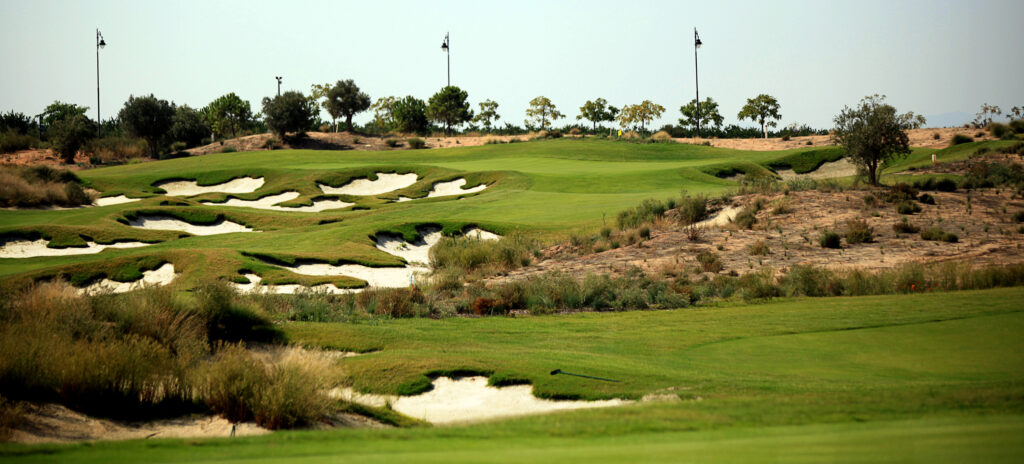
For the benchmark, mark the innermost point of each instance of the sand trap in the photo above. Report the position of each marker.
(289, 289)
(413, 253)
(37, 248)
(385, 183)
(469, 399)
(382, 277)
(269, 201)
(187, 188)
(168, 223)
(53, 423)
(443, 189)
(839, 168)
(723, 218)
(115, 200)
(480, 234)
(162, 275)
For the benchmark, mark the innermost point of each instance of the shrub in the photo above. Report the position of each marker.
(905, 227)
(961, 138)
(393, 143)
(747, 217)
(272, 143)
(758, 248)
(936, 136)
(68, 135)
(12, 141)
(661, 136)
(648, 210)
(289, 112)
(829, 239)
(645, 232)
(945, 185)
(295, 394)
(758, 286)
(785, 138)
(228, 149)
(979, 135)
(1017, 125)
(926, 199)
(115, 150)
(470, 256)
(1000, 130)
(230, 385)
(858, 231)
(1019, 216)
(710, 261)
(937, 234)
(39, 186)
(907, 207)
(416, 143)
(692, 209)
(810, 281)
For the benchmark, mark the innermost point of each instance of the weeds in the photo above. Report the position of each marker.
(829, 239)
(710, 261)
(905, 227)
(858, 231)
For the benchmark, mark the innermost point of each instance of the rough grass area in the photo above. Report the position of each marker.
(40, 186)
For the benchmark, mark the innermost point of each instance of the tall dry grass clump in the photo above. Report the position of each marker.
(115, 150)
(474, 257)
(39, 186)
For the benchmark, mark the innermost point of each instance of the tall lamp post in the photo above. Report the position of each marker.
(696, 44)
(278, 84)
(444, 46)
(100, 43)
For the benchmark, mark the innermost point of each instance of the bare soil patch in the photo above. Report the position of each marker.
(918, 138)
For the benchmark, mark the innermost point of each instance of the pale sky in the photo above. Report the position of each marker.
(930, 57)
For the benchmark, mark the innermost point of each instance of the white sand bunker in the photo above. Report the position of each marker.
(469, 399)
(187, 188)
(162, 275)
(385, 183)
(444, 189)
(480, 234)
(723, 218)
(37, 248)
(417, 252)
(839, 168)
(382, 277)
(169, 223)
(269, 201)
(115, 200)
(288, 289)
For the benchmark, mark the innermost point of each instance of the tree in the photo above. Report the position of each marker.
(148, 118)
(15, 122)
(189, 126)
(228, 113)
(288, 112)
(761, 109)
(1017, 112)
(542, 111)
(488, 112)
(345, 99)
(382, 113)
(872, 133)
(58, 110)
(69, 134)
(410, 115)
(597, 111)
(708, 114)
(987, 114)
(641, 114)
(450, 107)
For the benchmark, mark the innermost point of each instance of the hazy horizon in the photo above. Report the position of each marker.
(939, 59)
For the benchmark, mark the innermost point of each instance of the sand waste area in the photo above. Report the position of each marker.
(268, 202)
(114, 200)
(160, 276)
(470, 399)
(385, 183)
(838, 168)
(187, 188)
(37, 248)
(444, 189)
(169, 223)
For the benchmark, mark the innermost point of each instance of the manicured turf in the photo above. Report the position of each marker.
(909, 378)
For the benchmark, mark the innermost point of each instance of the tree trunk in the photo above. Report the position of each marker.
(872, 167)
(348, 122)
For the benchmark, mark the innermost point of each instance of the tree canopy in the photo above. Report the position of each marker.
(189, 126)
(69, 134)
(410, 115)
(450, 107)
(761, 109)
(708, 114)
(873, 133)
(345, 99)
(597, 111)
(488, 114)
(148, 118)
(541, 112)
(641, 114)
(289, 112)
(228, 114)
(59, 110)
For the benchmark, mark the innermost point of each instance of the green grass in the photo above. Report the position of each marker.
(546, 189)
(911, 378)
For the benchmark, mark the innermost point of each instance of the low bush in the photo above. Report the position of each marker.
(811, 281)
(1017, 125)
(393, 143)
(907, 207)
(710, 261)
(936, 136)
(1019, 216)
(926, 199)
(858, 231)
(661, 136)
(905, 227)
(475, 257)
(937, 234)
(747, 217)
(829, 239)
(961, 138)
(648, 210)
(12, 141)
(272, 143)
(116, 150)
(759, 248)
(40, 186)
(1000, 130)
(692, 210)
(416, 143)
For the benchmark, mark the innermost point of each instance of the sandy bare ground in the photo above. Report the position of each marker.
(469, 399)
(918, 138)
(839, 168)
(988, 236)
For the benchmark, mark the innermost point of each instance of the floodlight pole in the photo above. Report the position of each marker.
(696, 77)
(278, 85)
(446, 46)
(100, 43)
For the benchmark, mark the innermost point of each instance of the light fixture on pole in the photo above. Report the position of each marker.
(445, 47)
(100, 43)
(278, 85)
(696, 44)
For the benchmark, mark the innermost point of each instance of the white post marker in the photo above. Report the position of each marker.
(933, 159)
